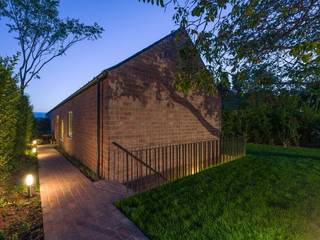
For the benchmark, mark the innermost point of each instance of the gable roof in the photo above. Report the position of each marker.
(104, 73)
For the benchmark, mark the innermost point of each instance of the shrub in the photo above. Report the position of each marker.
(16, 120)
(282, 118)
(24, 124)
(42, 127)
(9, 100)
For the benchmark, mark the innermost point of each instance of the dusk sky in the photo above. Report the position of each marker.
(129, 26)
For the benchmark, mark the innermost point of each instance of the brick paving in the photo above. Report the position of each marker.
(75, 207)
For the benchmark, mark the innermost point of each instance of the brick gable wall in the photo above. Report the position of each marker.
(138, 108)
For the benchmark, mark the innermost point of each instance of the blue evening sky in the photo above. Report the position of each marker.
(129, 26)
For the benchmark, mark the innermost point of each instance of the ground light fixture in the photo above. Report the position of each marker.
(34, 142)
(29, 182)
(34, 150)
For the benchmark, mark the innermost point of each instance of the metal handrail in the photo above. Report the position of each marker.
(145, 167)
(139, 160)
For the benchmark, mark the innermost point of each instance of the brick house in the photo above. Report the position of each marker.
(133, 103)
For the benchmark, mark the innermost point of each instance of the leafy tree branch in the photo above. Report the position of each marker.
(41, 34)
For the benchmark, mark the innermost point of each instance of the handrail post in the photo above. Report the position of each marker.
(127, 167)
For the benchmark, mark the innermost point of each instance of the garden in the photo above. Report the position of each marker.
(20, 215)
(272, 193)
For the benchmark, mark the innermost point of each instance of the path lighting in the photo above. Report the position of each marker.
(29, 183)
(34, 150)
(34, 142)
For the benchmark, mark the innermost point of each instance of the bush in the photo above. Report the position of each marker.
(24, 125)
(16, 121)
(9, 100)
(272, 118)
(42, 127)
(285, 118)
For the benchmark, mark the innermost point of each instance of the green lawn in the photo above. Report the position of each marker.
(272, 193)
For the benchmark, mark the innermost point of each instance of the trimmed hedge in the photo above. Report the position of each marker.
(24, 124)
(16, 121)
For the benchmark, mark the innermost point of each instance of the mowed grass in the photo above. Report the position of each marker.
(272, 193)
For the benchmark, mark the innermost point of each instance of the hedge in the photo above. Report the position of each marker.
(16, 121)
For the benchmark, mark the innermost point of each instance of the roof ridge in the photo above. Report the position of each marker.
(144, 49)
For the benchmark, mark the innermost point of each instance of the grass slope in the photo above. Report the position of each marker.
(272, 193)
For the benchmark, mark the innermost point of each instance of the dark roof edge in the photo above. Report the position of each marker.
(80, 90)
(104, 73)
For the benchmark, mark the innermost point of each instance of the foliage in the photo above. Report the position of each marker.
(272, 193)
(21, 217)
(312, 96)
(309, 127)
(25, 124)
(285, 119)
(41, 34)
(271, 118)
(235, 36)
(9, 100)
(42, 127)
(264, 58)
(157, 2)
(16, 119)
(267, 112)
(191, 72)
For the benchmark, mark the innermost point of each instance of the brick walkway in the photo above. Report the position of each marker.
(76, 208)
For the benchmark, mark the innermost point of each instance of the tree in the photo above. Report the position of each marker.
(235, 35)
(157, 2)
(264, 56)
(286, 119)
(25, 124)
(41, 34)
(9, 100)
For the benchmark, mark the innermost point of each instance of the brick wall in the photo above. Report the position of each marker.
(83, 143)
(138, 108)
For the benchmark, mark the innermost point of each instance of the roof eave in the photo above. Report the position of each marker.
(102, 75)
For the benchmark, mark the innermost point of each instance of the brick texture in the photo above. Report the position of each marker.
(76, 208)
(83, 143)
(139, 107)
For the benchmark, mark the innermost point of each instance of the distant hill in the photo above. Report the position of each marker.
(39, 114)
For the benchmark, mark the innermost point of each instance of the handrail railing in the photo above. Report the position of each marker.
(145, 167)
(139, 160)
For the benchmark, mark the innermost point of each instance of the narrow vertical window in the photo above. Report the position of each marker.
(62, 130)
(57, 122)
(70, 124)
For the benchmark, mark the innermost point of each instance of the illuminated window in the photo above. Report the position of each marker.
(56, 127)
(61, 130)
(70, 124)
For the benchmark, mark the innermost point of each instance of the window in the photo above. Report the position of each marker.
(70, 124)
(56, 127)
(57, 121)
(62, 130)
